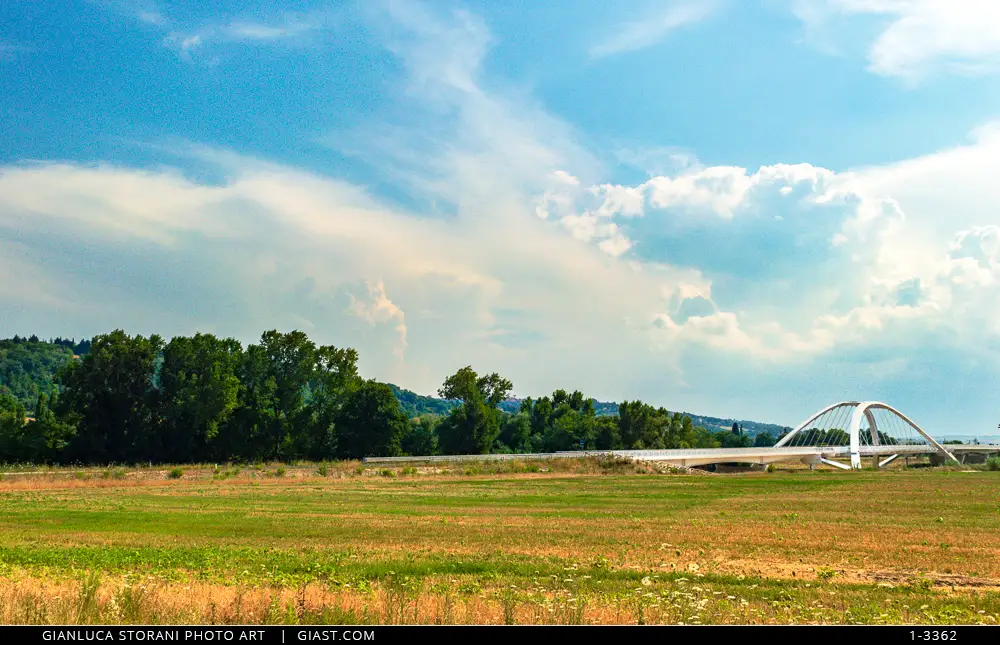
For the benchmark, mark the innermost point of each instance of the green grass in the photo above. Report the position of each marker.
(768, 547)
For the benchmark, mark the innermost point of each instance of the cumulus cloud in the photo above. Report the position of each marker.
(675, 289)
(378, 309)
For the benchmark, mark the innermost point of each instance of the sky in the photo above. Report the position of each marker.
(744, 209)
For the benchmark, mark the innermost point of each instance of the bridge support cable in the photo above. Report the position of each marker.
(856, 429)
(795, 436)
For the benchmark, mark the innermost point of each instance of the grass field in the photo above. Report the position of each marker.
(572, 542)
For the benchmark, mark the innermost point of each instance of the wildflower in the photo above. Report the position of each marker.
(646, 581)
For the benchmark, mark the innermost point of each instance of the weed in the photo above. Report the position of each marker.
(387, 472)
(280, 472)
(176, 473)
(993, 463)
(131, 601)
(87, 606)
(323, 470)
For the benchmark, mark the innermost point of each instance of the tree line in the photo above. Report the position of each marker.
(136, 399)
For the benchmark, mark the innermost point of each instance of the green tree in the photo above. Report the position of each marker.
(370, 423)
(334, 377)
(764, 440)
(641, 426)
(199, 389)
(111, 397)
(606, 433)
(55, 433)
(421, 436)
(473, 427)
(15, 446)
(570, 429)
(515, 432)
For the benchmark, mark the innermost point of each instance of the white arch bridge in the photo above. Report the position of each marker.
(840, 435)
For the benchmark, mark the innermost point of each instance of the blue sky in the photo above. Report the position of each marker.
(745, 209)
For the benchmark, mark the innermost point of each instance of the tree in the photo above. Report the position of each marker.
(56, 433)
(730, 440)
(421, 436)
(199, 390)
(570, 430)
(473, 427)
(370, 423)
(466, 385)
(334, 377)
(275, 376)
(642, 426)
(12, 427)
(736, 428)
(515, 432)
(606, 433)
(764, 440)
(111, 397)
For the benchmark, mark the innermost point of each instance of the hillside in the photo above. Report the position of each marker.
(27, 367)
(416, 404)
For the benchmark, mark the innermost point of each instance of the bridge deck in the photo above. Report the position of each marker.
(704, 456)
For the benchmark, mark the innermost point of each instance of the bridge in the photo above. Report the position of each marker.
(840, 435)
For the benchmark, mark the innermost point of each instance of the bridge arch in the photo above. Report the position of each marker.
(855, 415)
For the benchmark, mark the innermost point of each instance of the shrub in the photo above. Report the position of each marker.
(280, 472)
(993, 463)
(176, 473)
(323, 470)
(387, 472)
(409, 470)
(771, 468)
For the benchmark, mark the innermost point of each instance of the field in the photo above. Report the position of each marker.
(558, 542)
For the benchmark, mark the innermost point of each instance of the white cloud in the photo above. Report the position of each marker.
(922, 36)
(187, 39)
(145, 11)
(285, 29)
(652, 28)
(700, 285)
(379, 309)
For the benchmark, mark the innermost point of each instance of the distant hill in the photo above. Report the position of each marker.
(416, 404)
(27, 367)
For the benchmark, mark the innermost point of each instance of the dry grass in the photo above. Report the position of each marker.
(579, 541)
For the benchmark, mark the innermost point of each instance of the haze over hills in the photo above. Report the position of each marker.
(417, 404)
